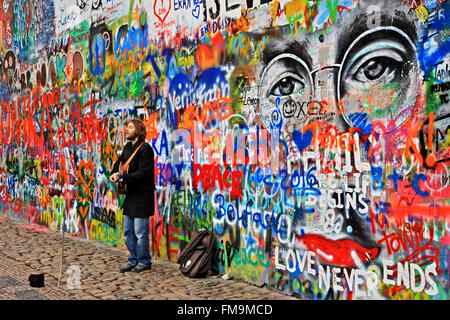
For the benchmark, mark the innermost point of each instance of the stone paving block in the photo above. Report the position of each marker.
(6, 281)
(29, 295)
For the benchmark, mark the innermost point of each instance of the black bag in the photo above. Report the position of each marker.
(36, 280)
(195, 258)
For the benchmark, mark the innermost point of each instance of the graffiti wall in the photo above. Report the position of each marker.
(312, 137)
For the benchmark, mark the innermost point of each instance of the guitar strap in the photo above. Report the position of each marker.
(124, 167)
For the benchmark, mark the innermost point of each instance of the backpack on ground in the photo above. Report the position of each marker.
(195, 258)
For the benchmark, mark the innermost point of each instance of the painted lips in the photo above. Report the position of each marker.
(338, 252)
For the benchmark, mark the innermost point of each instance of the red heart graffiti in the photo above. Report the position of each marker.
(86, 170)
(82, 209)
(162, 12)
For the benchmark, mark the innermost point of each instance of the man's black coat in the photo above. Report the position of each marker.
(140, 197)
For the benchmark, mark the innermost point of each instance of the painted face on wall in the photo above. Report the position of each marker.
(9, 67)
(365, 65)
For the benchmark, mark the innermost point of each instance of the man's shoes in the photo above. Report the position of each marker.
(127, 268)
(140, 268)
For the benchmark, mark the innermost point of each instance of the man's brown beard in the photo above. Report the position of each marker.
(132, 137)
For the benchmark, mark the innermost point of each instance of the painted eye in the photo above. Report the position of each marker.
(384, 64)
(378, 68)
(287, 86)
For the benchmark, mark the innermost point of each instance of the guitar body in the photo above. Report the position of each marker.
(123, 168)
(122, 187)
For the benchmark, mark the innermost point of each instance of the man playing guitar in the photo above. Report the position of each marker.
(139, 202)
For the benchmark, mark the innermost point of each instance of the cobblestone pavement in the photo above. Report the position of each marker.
(30, 249)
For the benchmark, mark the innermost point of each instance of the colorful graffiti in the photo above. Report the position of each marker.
(312, 137)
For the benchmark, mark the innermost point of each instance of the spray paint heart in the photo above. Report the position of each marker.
(161, 10)
(302, 140)
(83, 210)
(196, 11)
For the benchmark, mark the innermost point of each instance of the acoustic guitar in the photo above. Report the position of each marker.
(123, 168)
(122, 187)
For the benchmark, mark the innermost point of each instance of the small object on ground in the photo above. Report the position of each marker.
(226, 276)
(36, 280)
